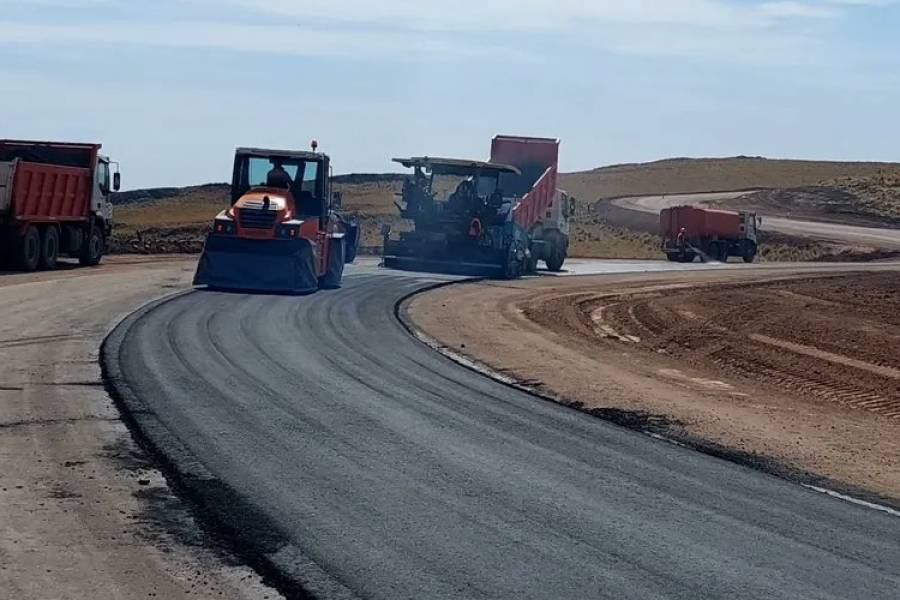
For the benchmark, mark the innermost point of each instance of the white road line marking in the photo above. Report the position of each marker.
(857, 501)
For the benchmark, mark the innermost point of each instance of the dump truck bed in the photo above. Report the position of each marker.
(699, 223)
(38, 192)
(537, 159)
(46, 181)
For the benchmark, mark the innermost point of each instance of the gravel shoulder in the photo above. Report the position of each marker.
(785, 368)
(83, 511)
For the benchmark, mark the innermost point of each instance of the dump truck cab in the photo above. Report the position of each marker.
(283, 231)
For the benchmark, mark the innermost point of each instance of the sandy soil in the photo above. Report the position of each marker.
(689, 175)
(83, 511)
(797, 374)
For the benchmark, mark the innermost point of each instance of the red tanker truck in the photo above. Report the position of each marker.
(688, 232)
(54, 201)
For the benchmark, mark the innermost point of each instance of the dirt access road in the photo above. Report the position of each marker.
(851, 235)
(83, 513)
(804, 373)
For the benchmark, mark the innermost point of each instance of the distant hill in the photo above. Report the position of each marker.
(689, 175)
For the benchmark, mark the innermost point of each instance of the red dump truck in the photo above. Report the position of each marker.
(544, 210)
(54, 201)
(689, 232)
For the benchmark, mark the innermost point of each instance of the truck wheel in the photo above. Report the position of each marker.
(92, 250)
(723, 252)
(555, 252)
(512, 269)
(351, 244)
(49, 247)
(555, 260)
(749, 253)
(514, 266)
(28, 251)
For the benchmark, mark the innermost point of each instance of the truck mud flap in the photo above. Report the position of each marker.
(231, 263)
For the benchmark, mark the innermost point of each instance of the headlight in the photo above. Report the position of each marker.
(223, 227)
(289, 231)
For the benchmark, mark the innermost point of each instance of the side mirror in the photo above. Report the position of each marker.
(117, 181)
(386, 230)
(337, 199)
(573, 206)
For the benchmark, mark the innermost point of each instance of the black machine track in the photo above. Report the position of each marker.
(355, 462)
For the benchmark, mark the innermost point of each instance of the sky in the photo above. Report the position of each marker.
(171, 87)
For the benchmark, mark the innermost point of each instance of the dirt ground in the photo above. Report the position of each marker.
(798, 374)
(692, 175)
(84, 513)
(868, 202)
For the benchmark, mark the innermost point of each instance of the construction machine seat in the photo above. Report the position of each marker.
(308, 205)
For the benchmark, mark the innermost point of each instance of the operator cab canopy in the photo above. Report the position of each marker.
(304, 174)
(457, 166)
(486, 175)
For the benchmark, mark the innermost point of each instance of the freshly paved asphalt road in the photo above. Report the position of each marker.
(875, 237)
(361, 463)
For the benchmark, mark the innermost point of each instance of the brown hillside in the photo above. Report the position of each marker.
(689, 175)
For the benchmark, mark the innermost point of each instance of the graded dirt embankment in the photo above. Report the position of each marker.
(84, 513)
(800, 376)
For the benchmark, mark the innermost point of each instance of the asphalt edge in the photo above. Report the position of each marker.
(653, 426)
(285, 568)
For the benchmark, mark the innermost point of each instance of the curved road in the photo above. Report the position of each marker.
(875, 237)
(362, 464)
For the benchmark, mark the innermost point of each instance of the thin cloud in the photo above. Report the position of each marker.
(543, 15)
(765, 32)
(267, 39)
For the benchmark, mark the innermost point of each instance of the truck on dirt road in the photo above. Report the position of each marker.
(54, 201)
(284, 231)
(689, 232)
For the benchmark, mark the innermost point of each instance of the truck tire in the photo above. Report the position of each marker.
(749, 252)
(556, 253)
(28, 249)
(351, 244)
(92, 249)
(514, 266)
(723, 252)
(49, 247)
